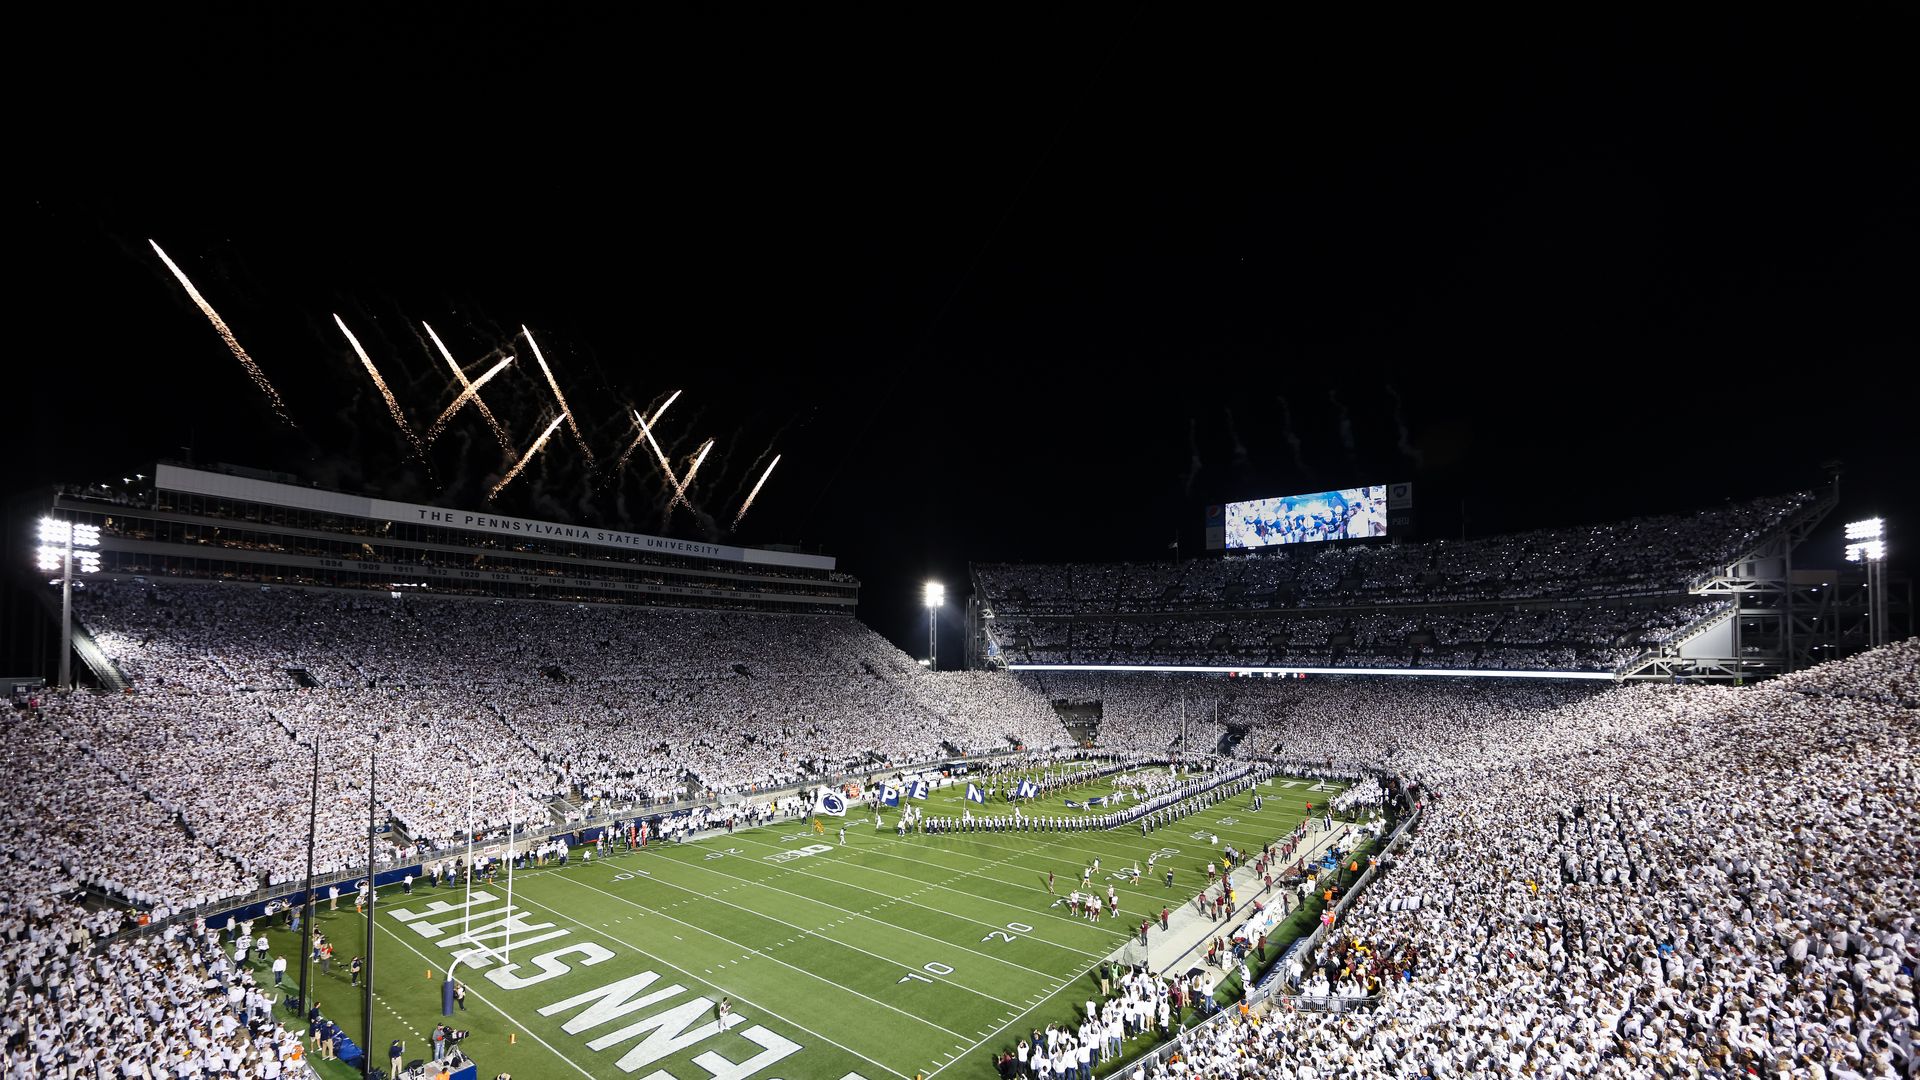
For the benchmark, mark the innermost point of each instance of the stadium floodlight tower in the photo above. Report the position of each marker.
(936, 595)
(58, 543)
(1868, 545)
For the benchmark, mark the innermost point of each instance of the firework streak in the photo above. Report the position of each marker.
(646, 435)
(469, 391)
(220, 325)
(680, 489)
(522, 463)
(565, 412)
(756, 490)
(393, 407)
(472, 393)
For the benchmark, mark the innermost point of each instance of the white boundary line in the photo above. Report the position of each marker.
(765, 955)
(889, 896)
(590, 928)
(650, 958)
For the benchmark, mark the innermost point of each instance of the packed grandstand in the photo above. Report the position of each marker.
(1608, 879)
(1591, 598)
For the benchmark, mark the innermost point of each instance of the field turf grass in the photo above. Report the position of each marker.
(882, 957)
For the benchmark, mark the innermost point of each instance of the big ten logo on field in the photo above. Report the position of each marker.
(797, 853)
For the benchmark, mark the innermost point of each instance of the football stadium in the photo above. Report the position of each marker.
(628, 808)
(813, 544)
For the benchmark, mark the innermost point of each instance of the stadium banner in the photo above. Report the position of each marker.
(1346, 514)
(831, 802)
(245, 489)
(293, 896)
(1399, 496)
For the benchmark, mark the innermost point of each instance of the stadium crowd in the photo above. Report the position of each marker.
(1581, 638)
(1638, 556)
(1627, 881)
(546, 709)
(1593, 598)
(1640, 881)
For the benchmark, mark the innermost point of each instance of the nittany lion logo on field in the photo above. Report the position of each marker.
(797, 853)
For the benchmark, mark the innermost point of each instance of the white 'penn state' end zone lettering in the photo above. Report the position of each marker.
(660, 1033)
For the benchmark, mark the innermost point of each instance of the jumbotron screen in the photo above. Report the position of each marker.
(1347, 514)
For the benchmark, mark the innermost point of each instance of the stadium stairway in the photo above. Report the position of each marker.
(1081, 719)
(1183, 945)
(1677, 642)
(559, 807)
(106, 674)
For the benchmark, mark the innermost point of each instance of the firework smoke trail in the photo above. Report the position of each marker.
(1406, 447)
(680, 489)
(1293, 437)
(472, 393)
(522, 463)
(393, 407)
(620, 466)
(1346, 421)
(756, 491)
(499, 433)
(1239, 448)
(220, 326)
(1346, 429)
(565, 411)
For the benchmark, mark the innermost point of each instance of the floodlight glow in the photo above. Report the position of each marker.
(50, 557)
(1869, 550)
(59, 533)
(1870, 529)
(936, 594)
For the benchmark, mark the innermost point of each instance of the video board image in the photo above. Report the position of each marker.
(1347, 514)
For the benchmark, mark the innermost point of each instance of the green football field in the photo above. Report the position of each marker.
(878, 957)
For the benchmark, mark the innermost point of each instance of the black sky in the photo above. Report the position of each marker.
(992, 283)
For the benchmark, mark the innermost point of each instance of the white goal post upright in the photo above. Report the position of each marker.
(466, 907)
(513, 802)
(505, 953)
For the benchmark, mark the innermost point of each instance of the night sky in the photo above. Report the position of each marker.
(996, 287)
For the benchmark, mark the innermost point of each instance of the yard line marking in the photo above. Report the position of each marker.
(989, 899)
(826, 904)
(803, 971)
(1002, 1027)
(958, 892)
(650, 958)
